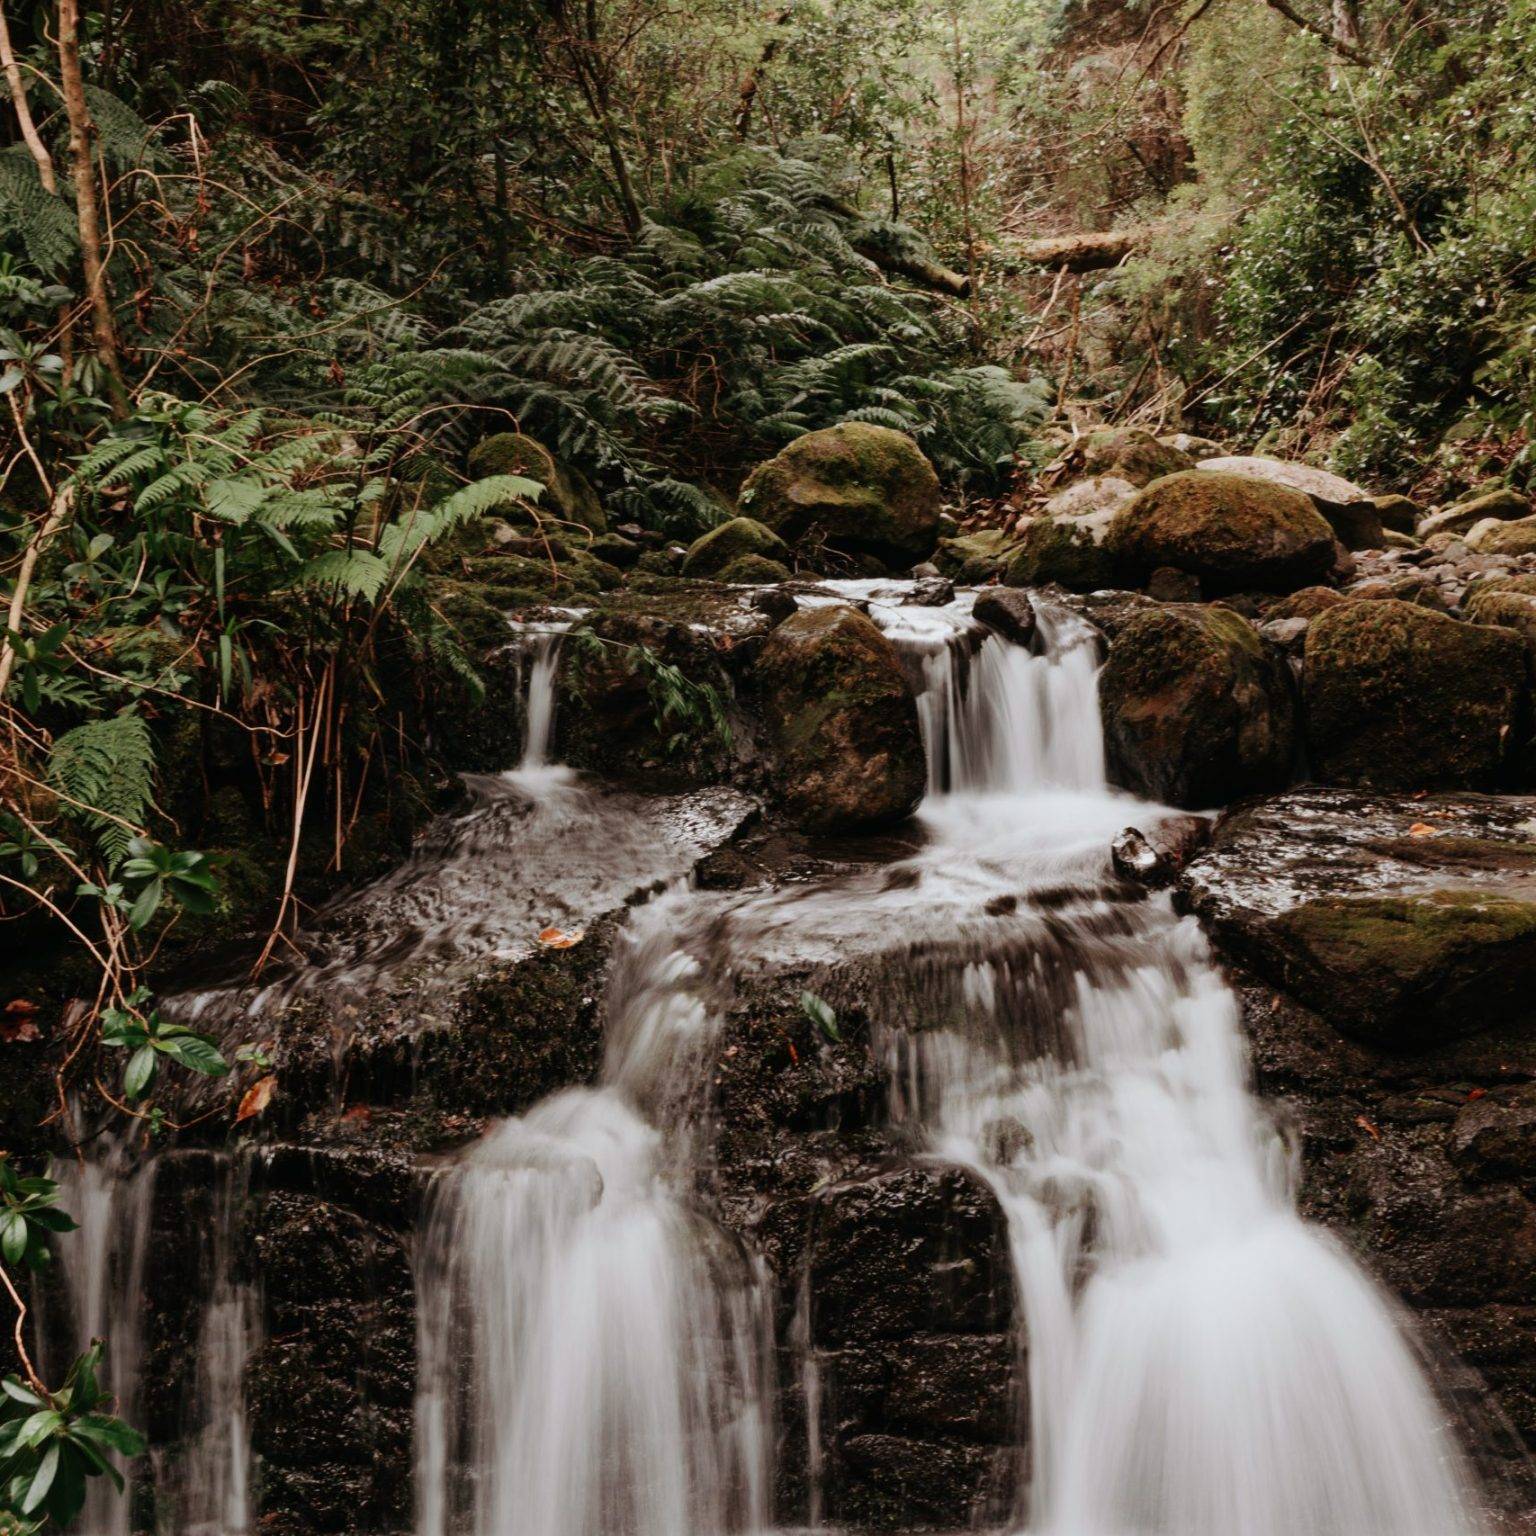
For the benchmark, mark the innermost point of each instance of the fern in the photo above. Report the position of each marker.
(105, 769)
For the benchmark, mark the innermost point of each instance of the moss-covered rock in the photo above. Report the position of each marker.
(1502, 504)
(975, 558)
(856, 488)
(1516, 536)
(568, 497)
(844, 719)
(1235, 534)
(752, 571)
(1061, 550)
(1397, 513)
(1305, 604)
(1198, 708)
(712, 551)
(1133, 454)
(1400, 697)
(1410, 971)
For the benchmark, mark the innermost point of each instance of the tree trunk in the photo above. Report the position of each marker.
(82, 166)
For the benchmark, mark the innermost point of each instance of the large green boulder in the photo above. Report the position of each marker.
(856, 488)
(1405, 971)
(568, 497)
(849, 752)
(1198, 708)
(1234, 534)
(1502, 504)
(712, 552)
(1517, 536)
(1398, 696)
(974, 559)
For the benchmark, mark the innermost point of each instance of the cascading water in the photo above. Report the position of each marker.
(1200, 1361)
(594, 1354)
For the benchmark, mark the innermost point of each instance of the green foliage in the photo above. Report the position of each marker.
(148, 1038)
(29, 1215)
(52, 1445)
(822, 1015)
(105, 769)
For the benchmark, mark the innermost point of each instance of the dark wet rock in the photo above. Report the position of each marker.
(885, 1482)
(1011, 613)
(1131, 454)
(930, 592)
(1234, 534)
(740, 536)
(849, 751)
(568, 499)
(1198, 708)
(1155, 857)
(1494, 1135)
(1405, 922)
(1408, 587)
(774, 604)
(330, 1387)
(1166, 585)
(857, 488)
(1399, 697)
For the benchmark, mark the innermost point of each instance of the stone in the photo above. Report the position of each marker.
(568, 497)
(1348, 510)
(1503, 505)
(1408, 587)
(1132, 454)
(1198, 708)
(1495, 1135)
(1305, 604)
(1166, 585)
(859, 489)
(974, 558)
(1392, 538)
(1198, 448)
(1064, 552)
(1515, 536)
(1399, 697)
(1288, 635)
(731, 540)
(1008, 611)
(1235, 534)
(1407, 971)
(1155, 857)
(1397, 513)
(1088, 498)
(849, 750)
(930, 592)
(752, 571)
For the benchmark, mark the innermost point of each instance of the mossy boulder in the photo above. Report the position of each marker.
(1348, 510)
(1198, 708)
(844, 722)
(1234, 534)
(712, 551)
(1064, 551)
(568, 497)
(1130, 453)
(752, 571)
(1502, 504)
(855, 488)
(1408, 971)
(975, 558)
(1494, 537)
(1400, 697)
(1397, 513)
(1305, 604)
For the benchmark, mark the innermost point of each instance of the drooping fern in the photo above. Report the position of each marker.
(104, 772)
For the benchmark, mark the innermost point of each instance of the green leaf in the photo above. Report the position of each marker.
(195, 1051)
(147, 904)
(14, 1237)
(42, 1480)
(140, 1071)
(820, 1013)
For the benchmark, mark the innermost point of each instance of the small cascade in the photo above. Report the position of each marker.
(538, 649)
(103, 1264)
(593, 1353)
(1200, 1362)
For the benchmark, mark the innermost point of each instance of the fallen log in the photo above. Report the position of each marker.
(1078, 253)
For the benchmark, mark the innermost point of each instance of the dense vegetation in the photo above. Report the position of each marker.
(269, 272)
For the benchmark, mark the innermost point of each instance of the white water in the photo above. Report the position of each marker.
(1200, 1361)
(594, 1355)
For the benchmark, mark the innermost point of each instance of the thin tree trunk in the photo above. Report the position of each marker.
(1345, 50)
(82, 140)
(746, 96)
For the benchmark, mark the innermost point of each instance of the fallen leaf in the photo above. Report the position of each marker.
(1475, 1094)
(1423, 829)
(558, 938)
(18, 1020)
(358, 1114)
(1366, 1126)
(256, 1098)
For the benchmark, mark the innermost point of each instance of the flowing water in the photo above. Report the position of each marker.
(596, 1354)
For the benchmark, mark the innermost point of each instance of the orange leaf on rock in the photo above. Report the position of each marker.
(1366, 1126)
(558, 938)
(17, 1020)
(256, 1099)
(1423, 829)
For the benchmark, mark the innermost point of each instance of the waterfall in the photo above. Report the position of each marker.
(593, 1352)
(538, 652)
(1200, 1362)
